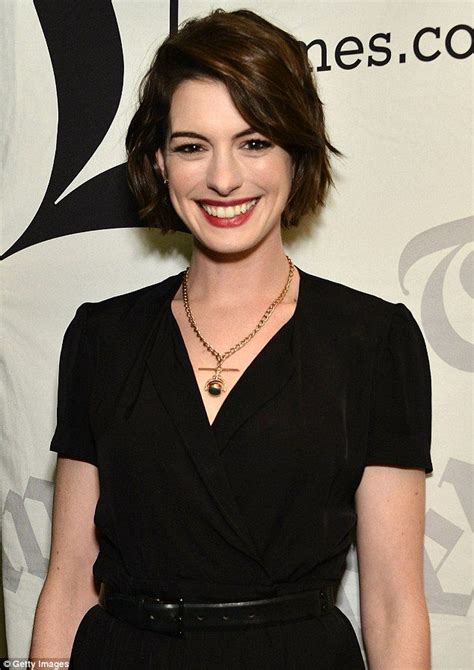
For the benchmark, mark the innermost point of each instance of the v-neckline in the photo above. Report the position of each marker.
(253, 363)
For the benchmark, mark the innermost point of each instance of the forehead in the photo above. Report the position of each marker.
(204, 105)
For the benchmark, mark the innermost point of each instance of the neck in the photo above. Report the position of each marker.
(231, 280)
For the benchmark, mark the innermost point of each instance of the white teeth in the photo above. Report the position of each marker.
(229, 212)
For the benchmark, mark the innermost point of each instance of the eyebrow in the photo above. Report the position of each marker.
(188, 133)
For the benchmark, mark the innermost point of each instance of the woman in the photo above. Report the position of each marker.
(234, 452)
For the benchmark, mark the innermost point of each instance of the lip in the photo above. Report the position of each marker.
(225, 203)
(233, 222)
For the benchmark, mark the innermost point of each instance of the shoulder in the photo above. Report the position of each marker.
(346, 308)
(139, 300)
(136, 306)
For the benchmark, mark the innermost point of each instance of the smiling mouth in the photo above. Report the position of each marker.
(228, 212)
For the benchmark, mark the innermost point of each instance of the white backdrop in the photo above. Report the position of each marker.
(397, 225)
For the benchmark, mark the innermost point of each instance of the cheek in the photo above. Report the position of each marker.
(278, 184)
(287, 177)
(183, 175)
(275, 178)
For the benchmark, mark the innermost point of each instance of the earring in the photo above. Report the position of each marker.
(165, 180)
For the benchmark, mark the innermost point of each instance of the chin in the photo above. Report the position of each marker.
(240, 244)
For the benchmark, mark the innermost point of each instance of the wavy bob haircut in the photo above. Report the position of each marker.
(271, 82)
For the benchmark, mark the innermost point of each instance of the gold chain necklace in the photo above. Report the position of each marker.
(216, 384)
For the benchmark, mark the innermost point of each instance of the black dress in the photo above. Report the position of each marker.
(259, 504)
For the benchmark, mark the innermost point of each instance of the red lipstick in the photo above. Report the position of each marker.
(225, 203)
(227, 222)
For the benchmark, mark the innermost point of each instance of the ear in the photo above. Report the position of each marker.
(161, 162)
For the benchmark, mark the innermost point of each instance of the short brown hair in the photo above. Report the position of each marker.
(271, 82)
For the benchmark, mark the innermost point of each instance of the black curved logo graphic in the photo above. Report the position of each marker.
(86, 54)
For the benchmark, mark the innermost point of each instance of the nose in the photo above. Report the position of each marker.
(224, 172)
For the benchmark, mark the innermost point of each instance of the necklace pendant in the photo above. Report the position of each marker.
(215, 385)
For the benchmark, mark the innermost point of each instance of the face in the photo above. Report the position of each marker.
(228, 183)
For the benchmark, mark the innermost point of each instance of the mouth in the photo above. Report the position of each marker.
(226, 214)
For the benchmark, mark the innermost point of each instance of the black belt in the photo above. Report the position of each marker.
(174, 617)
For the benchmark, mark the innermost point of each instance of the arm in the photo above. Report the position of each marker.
(390, 503)
(69, 589)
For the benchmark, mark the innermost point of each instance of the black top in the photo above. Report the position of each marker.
(261, 503)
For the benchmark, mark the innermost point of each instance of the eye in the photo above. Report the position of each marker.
(257, 145)
(188, 148)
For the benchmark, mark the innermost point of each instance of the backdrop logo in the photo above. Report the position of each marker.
(453, 237)
(36, 563)
(86, 54)
(350, 51)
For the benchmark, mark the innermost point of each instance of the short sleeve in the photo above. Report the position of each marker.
(400, 407)
(73, 435)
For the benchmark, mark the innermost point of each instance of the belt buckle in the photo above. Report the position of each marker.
(179, 617)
